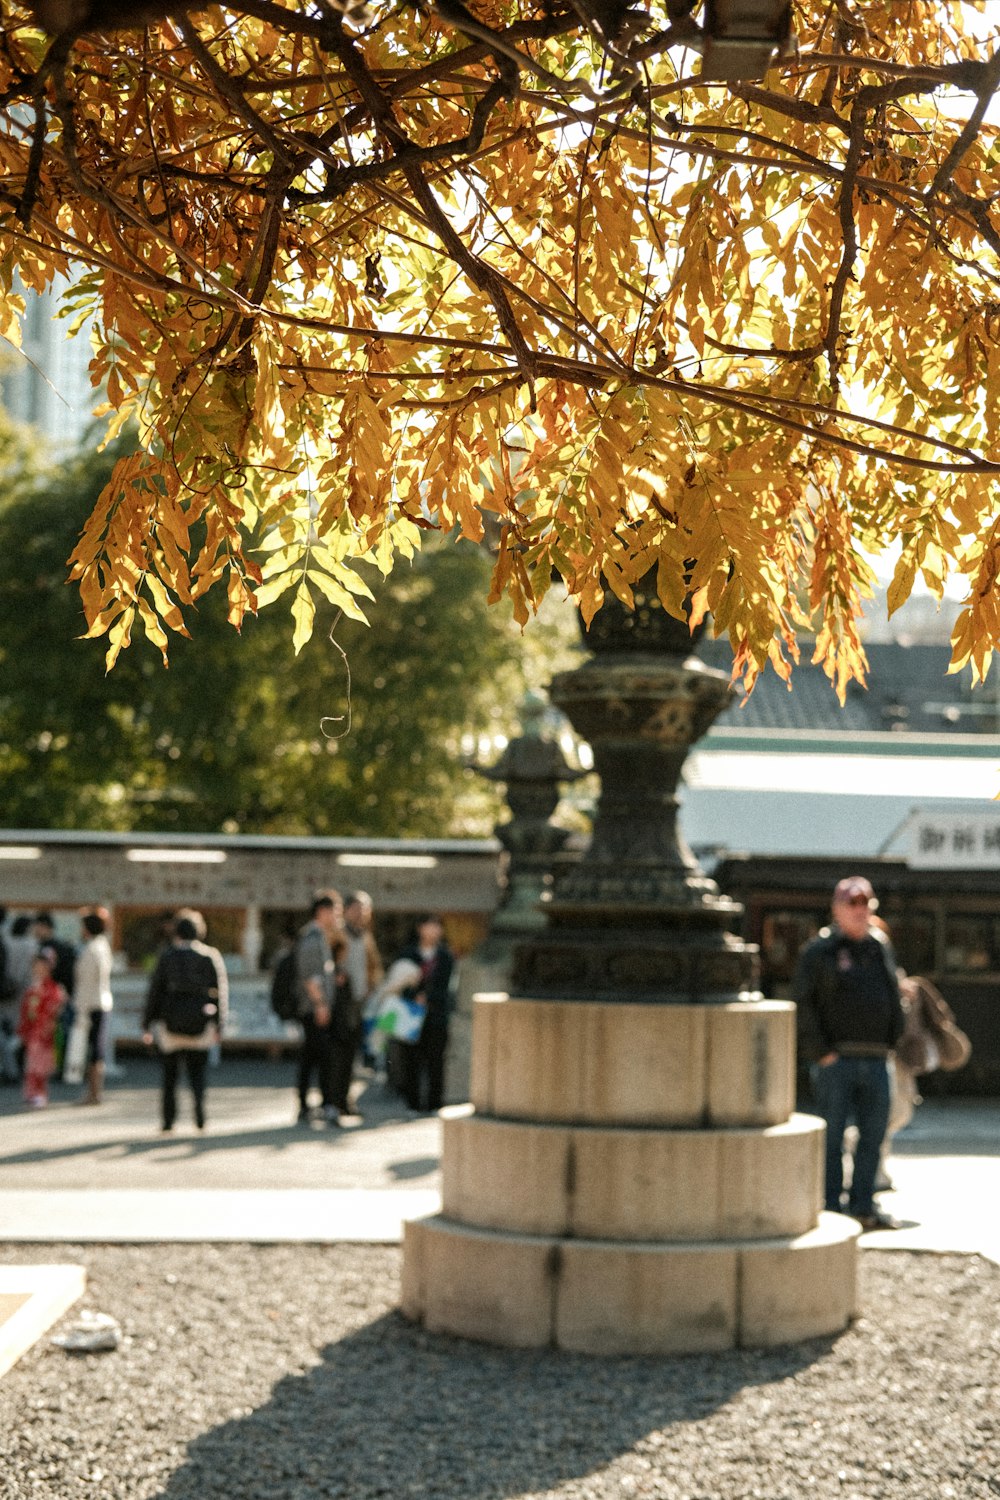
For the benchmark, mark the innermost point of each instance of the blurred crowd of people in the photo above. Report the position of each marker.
(56, 1002)
(338, 990)
(868, 1030)
(55, 1005)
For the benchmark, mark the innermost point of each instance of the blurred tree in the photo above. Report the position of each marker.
(360, 734)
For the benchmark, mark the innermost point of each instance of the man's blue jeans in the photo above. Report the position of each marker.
(853, 1089)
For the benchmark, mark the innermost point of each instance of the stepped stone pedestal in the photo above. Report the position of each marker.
(630, 1176)
(622, 1182)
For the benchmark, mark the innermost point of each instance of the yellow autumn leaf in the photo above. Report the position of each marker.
(119, 636)
(304, 614)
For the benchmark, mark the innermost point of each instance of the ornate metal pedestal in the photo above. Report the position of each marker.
(630, 1176)
(636, 918)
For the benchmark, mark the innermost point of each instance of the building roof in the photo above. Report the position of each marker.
(915, 756)
(909, 691)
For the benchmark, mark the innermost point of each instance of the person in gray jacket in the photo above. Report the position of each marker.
(316, 971)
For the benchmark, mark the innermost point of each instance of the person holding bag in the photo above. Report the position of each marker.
(423, 1059)
(931, 1040)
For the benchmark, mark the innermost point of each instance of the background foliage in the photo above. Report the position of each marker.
(231, 737)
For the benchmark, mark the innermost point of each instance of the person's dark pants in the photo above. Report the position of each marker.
(423, 1068)
(853, 1089)
(315, 1058)
(195, 1061)
(344, 1042)
(63, 1028)
(395, 1068)
(10, 1053)
(97, 1036)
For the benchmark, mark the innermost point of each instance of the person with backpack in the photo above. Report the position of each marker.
(187, 1003)
(285, 998)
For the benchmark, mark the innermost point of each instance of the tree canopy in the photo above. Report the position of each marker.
(364, 737)
(519, 267)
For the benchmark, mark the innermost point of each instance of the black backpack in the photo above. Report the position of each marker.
(190, 992)
(285, 988)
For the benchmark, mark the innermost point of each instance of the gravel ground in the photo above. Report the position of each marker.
(284, 1372)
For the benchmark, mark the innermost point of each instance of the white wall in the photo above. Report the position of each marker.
(47, 383)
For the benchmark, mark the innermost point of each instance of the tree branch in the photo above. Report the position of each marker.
(479, 273)
(989, 83)
(229, 91)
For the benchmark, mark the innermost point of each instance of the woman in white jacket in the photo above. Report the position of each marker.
(92, 997)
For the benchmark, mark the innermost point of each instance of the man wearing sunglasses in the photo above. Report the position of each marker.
(850, 1018)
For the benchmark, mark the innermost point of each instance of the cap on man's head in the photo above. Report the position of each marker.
(854, 888)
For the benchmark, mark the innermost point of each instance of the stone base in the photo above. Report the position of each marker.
(631, 1184)
(630, 1179)
(610, 1297)
(668, 1065)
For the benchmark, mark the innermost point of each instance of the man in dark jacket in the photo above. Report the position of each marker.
(423, 1060)
(850, 1018)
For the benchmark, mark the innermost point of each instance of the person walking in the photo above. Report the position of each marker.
(94, 1001)
(931, 1040)
(850, 1018)
(316, 976)
(41, 1005)
(187, 1003)
(423, 1060)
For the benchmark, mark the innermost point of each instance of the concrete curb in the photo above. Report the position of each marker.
(247, 1216)
(32, 1298)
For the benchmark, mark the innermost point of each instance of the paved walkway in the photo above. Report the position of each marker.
(76, 1175)
(73, 1174)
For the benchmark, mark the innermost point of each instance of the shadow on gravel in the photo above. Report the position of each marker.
(394, 1411)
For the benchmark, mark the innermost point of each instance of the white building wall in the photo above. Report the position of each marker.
(47, 382)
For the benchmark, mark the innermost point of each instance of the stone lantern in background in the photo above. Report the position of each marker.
(630, 1175)
(532, 769)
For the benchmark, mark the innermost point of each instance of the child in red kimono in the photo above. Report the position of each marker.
(40, 1006)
